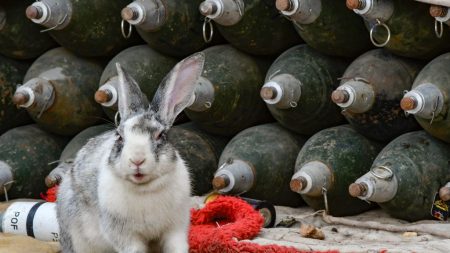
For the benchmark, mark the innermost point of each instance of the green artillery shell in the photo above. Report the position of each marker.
(428, 99)
(200, 151)
(227, 95)
(298, 88)
(71, 150)
(332, 159)
(253, 26)
(403, 27)
(258, 163)
(88, 28)
(370, 94)
(327, 26)
(170, 26)
(406, 176)
(25, 154)
(145, 65)
(58, 92)
(11, 73)
(20, 38)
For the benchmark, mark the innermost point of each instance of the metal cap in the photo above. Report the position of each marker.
(438, 11)
(283, 5)
(355, 4)
(207, 8)
(357, 190)
(444, 193)
(103, 96)
(408, 103)
(129, 13)
(20, 98)
(33, 12)
(340, 96)
(298, 184)
(220, 182)
(268, 93)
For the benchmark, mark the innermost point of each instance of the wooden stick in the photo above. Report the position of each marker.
(418, 228)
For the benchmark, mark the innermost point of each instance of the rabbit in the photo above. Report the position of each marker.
(129, 190)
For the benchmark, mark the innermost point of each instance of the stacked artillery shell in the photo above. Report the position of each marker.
(11, 73)
(253, 26)
(201, 151)
(370, 94)
(172, 27)
(258, 163)
(406, 175)
(145, 65)
(328, 162)
(227, 98)
(428, 99)
(25, 154)
(298, 88)
(70, 151)
(19, 38)
(58, 92)
(327, 26)
(88, 28)
(403, 27)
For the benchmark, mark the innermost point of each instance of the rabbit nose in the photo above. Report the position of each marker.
(137, 162)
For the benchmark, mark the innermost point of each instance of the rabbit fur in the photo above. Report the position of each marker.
(129, 190)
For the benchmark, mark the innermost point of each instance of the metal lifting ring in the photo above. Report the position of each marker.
(122, 28)
(439, 30)
(206, 38)
(378, 24)
(387, 177)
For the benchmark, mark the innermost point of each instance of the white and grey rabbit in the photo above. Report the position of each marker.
(129, 190)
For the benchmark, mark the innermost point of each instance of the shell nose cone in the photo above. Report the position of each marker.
(408, 103)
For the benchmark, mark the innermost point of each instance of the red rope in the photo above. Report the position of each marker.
(222, 223)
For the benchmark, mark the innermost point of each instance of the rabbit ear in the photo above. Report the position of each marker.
(177, 89)
(131, 99)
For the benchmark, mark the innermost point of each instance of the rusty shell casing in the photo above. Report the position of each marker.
(412, 31)
(386, 76)
(270, 150)
(313, 77)
(345, 155)
(20, 38)
(74, 80)
(11, 73)
(27, 151)
(232, 102)
(437, 75)
(178, 29)
(335, 31)
(87, 28)
(261, 30)
(419, 164)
